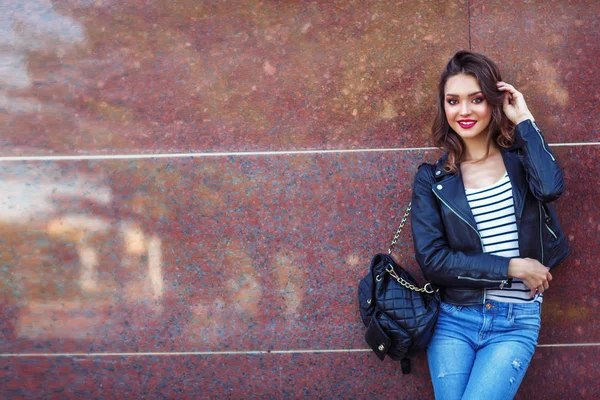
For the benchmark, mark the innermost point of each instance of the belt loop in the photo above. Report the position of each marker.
(510, 311)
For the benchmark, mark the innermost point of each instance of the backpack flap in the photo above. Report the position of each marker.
(376, 338)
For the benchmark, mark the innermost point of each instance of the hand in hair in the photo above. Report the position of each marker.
(514, 105)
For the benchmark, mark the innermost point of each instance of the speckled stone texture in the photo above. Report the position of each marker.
(234, 275)
(179, 76)
(548, 50)
(237, 377)
(207, 254)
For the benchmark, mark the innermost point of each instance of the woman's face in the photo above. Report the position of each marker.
(467, 111)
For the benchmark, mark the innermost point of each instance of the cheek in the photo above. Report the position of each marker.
(486, 111)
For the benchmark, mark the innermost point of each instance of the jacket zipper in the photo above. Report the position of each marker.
(551, 231)
(478, 279)
(464, 220)
(542, 139)
(503, 282)
(546, 220)
(541, 235)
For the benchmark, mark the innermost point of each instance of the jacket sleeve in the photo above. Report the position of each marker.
(439, 263)
(544, 175)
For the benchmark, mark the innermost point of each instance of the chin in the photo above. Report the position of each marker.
(469, 133)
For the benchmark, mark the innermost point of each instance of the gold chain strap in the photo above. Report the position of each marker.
(397, 235)
(390, 269)
(426, 289)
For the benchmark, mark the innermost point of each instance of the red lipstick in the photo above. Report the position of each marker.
(467, 123)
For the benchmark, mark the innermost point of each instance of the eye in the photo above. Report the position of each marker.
(478, 100)
(452, 102)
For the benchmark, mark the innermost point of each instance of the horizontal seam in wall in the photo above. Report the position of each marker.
(200, 155)
(233, 154)
(249, 352)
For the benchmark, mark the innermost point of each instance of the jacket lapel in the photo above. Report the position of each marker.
(449, 188)
(517, 180)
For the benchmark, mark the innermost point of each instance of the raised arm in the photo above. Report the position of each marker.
(544, 175)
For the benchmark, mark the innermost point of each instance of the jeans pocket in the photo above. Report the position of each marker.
(526, 320)
(448, 308)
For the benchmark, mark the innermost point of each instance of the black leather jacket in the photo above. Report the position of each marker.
(447, 244)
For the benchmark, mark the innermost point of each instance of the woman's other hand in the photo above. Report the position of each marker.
(514, 105)
(534, 274)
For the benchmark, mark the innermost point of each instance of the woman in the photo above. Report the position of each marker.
(484, 231)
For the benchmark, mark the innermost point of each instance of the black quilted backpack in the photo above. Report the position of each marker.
(399, 315)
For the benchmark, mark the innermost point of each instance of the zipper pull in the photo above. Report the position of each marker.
(546, 216)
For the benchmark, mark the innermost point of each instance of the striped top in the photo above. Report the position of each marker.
(494, 212)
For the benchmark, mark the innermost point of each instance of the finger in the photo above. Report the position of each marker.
(546, 285)
(511, 96)
(505, 86)
(503, 89)
(548, 276)
(510, 89)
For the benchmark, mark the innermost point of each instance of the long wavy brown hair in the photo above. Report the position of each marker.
(500, 129)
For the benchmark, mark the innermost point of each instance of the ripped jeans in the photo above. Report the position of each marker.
(482, 351)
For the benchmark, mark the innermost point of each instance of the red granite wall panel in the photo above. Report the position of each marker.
(568, 307)
(227, 253)
(162, 77)
(562, 372)
(354, 375)
(203, 254)
(273, 376)
(550, 51)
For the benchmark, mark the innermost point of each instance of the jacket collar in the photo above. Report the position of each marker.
(449, 187)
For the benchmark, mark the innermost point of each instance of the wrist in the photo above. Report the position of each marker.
(514, 268)
(524, 117)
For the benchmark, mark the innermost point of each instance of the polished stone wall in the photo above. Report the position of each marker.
(192, 189)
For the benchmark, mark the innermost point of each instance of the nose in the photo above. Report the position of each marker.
(465, 108)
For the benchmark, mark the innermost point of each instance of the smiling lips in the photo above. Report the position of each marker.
(467, 123)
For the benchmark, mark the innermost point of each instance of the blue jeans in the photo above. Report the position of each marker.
(482, 352)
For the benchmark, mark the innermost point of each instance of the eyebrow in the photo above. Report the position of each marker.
(470, 94)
